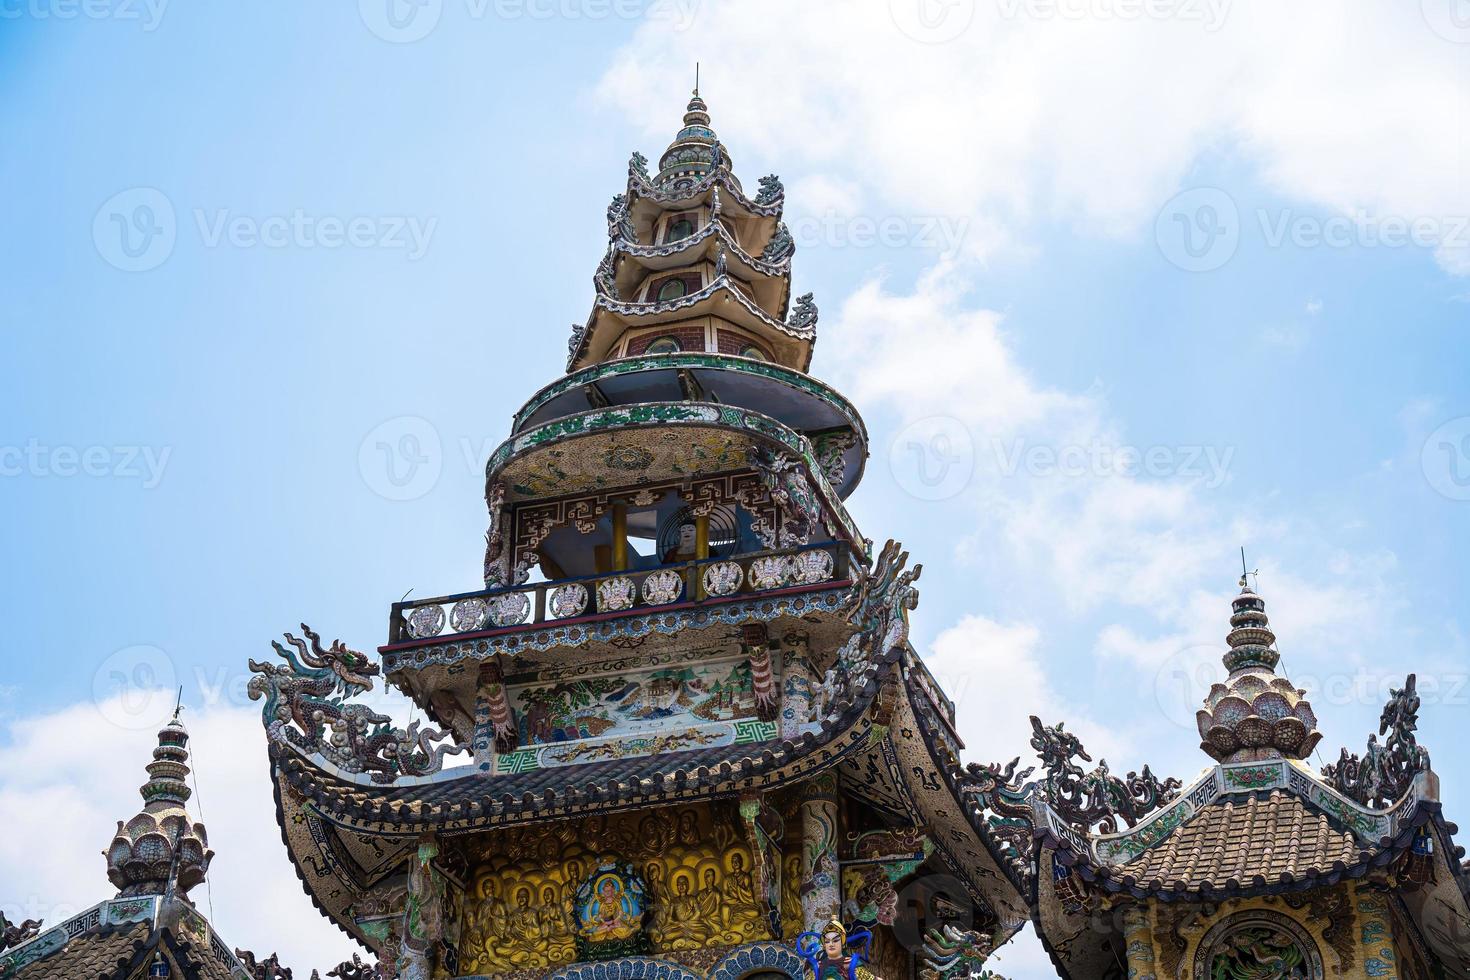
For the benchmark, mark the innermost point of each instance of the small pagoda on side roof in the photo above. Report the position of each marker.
(151, 927)
(694, 742)
(1262, 867)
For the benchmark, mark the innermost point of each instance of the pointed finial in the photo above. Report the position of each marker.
(696, 79)
(179, 703)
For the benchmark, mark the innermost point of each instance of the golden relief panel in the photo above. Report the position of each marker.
(520, 909)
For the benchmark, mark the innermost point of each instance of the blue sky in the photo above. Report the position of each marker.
(381, 239)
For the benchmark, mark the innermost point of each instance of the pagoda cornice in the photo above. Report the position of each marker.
(640, 187)
(753, 428)
(701, 244)
(778, 374)
(721, 297)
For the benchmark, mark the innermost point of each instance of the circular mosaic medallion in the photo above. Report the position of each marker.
(425, 621)
(615, 594)
(468, 615)
(662, 586)
(569, 600)
(510, 609)
(770, 572)
(722, 578)
(813, 566)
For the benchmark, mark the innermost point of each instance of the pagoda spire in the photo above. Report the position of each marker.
(1256, 713)
(696, 150)
(161, 844)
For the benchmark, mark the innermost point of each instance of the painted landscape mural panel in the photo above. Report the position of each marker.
(633, 704)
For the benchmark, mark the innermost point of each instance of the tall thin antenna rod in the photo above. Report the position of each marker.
(696, 78)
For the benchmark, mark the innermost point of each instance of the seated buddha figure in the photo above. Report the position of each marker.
(610, 913)
(683, 922)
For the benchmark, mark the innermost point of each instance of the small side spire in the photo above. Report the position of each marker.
(161, 845)
(1256, 714)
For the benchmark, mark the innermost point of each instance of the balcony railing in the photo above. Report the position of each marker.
(620, 593)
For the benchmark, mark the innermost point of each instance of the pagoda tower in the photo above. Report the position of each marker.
(687, 735)
(1263, 866)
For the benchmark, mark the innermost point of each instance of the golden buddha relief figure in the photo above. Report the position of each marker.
(681, 922)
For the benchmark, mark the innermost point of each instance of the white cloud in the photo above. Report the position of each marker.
(1088, 121)
(994, 674)
(68, 776)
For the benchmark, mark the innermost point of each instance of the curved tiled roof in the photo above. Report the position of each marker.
(1261, 839)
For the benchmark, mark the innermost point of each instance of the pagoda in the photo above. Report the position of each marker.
(678, 730)
(1263, 866)
(150, 927)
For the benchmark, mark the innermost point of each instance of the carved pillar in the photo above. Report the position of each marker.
(423, 914)
(1376, 924)
(1139, 943)
(757, 649)
(762, 830)
(796, 697)
(495, 726)
(819, 888)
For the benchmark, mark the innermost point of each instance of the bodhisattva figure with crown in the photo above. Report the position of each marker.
(826, 953)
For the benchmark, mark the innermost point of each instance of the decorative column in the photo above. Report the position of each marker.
(423, 913)
(495, 727)
(796, 696)
(1139, 943)
(755, 640)
(762, 831)
(1376, 923)
(820, 899)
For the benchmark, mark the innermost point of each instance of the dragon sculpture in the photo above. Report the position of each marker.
(1099, 798)
(799, 509)
(1384, 773)
(638, 164)
(1006, 799)
(306, 705)
(771, 190)
(12, 935)
(781, 246)
(951, 953)
(269, 968)
(881, 604)
(803, 319)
